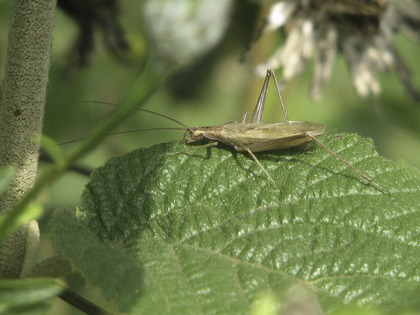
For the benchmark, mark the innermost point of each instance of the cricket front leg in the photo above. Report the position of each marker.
(258, 162)
(207, 145)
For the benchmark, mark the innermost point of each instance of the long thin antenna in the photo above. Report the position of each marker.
(167, 117)
(121, 132)
(140, 109)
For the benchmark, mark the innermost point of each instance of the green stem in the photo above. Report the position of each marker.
(21, 117)
(145, 86)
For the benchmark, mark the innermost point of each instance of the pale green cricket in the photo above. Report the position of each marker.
(253, 135)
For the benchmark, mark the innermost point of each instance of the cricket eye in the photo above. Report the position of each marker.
(187, 137)
(193, 135)
(190, 136)
(197, 135)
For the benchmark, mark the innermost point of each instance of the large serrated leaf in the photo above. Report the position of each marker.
(212, 232)
(104, 264)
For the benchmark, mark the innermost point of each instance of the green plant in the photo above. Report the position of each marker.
(211, 232)
(205, 231)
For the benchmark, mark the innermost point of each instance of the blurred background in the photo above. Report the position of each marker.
(217, 86)
(99, 54)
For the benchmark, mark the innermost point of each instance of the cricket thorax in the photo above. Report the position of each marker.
(199, 133)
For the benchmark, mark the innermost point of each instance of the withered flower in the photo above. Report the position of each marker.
(362, 30)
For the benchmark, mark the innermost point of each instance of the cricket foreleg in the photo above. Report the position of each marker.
(259, 164)
(207, 145)
(370, 180)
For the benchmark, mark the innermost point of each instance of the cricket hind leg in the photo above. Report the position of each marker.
(276, 83)
(358, 172)
(259, 107)
(246, 117)
(256, 116)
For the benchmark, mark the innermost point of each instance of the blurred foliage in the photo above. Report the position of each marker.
(27, 296)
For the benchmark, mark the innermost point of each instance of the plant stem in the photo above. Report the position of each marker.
(21, 113)
(145, 86)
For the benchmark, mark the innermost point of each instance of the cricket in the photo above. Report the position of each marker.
(252, 135)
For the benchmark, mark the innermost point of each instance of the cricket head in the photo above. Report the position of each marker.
(193, 135)
(199, 133)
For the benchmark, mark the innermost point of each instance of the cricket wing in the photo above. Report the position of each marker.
(259, 137)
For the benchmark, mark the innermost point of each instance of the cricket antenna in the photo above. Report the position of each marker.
(121, 132)
(142, 110)
(167, 117)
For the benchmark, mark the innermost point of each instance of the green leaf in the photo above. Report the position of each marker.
(32, 211)
(212, 232)
(27, 296)
(104, 264)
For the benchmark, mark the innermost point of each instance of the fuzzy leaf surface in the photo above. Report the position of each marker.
(212, 232)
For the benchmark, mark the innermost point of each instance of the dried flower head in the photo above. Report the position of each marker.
(361, 29)
(183, 30)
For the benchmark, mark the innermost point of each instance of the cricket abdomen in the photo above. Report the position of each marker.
(258, 137)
